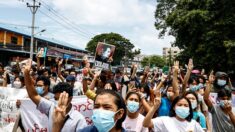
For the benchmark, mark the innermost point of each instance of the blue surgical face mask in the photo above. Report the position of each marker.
(132, 106)
(194, 88)
(200, 98)
(221, 82)
(182, 112)
(103, 119)
(40, 90)
(222, 102)
(194, 104)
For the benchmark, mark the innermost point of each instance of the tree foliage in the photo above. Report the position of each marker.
(153, 61)
(203, 28)
(123, 46)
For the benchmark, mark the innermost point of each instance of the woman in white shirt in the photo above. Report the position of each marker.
(134, 120)
(180, 119)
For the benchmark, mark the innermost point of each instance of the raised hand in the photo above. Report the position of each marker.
(227, 107)
(190, 64)
(176, 66)
(211, 77)
(60, 62)
(28, 65)
(59, 114)
(57, 60)
(157, 99)
(163, 77)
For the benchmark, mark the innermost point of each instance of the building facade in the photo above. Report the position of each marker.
(16, 43)
(169, 54)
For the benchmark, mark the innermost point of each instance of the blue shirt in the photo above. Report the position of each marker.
(92, 129)
(164, 109)
(199, 117)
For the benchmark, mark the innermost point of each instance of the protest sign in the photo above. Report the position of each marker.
(33, 120)
(84, 106)
(8, 110)
(42, 52)
(103, 54)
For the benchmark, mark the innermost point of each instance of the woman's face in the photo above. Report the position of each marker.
(182, 103)
(17, 79)
(170, 91)
(133, 97)
(191, 97)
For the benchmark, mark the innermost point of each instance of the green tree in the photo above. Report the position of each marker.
(152, 61)
(123, 46)
(203, 28)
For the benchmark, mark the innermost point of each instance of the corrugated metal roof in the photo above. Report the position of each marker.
(25, 33)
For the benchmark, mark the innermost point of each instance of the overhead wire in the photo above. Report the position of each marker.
(49, 8)
(61, 22)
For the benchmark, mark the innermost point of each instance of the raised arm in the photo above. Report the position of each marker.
(59, 70)
(146, 71)
(148, 119)
(175, 79)
(134, 72)
(94, 80)
(208, 89)
(38, 61)
(188, 73)
(33, 95)
(4, 79)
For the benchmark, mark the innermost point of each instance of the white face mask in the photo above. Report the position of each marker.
(194, 104)
(17, 84)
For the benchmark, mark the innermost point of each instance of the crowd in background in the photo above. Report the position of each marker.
(173, 101)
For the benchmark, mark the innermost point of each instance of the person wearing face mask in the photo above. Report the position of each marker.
(223, 119)
(180, 119)
(74, 120)
(108, 114)
(197, 115)
(134, 120)
(77, 89)
(42, 87)
(172, 91)
(18, 82)
(221, 82)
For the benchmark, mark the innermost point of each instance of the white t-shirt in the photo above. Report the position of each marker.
(134, 125)
(171, 124)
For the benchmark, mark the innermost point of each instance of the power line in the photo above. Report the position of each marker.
(16, 25)
(65, 26)
(50, 9)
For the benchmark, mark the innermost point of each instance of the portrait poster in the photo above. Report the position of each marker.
(104, 53)
(42, 52)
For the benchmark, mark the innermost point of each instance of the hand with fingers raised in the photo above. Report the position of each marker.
(211, 77)
(157, 100)
(190, 64)
(59, 114)
(176, 66)
(28, 65)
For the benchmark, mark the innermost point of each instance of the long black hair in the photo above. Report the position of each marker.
(119, 102)
(177, 99)
(194, 94)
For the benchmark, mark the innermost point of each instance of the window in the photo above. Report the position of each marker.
(14, 40)
(175, 51)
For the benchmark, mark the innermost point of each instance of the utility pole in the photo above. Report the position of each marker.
(33, 9)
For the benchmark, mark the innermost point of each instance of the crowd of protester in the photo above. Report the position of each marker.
(133, 102)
